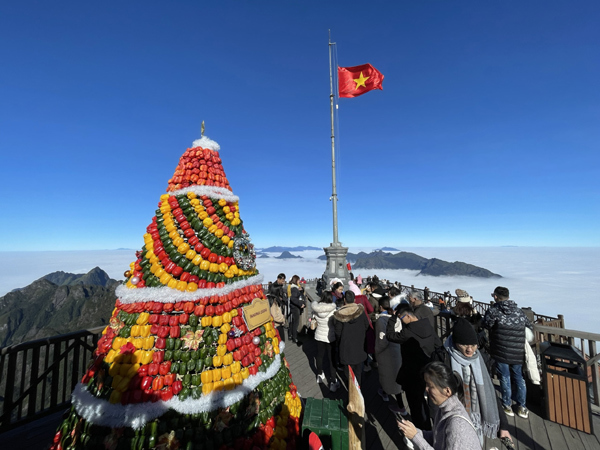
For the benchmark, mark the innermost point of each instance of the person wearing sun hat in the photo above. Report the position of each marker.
(464, 308)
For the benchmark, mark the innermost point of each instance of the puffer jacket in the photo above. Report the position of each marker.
(323, 313)
(507, 322)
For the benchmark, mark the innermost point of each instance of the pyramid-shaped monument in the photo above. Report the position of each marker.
(191, 358)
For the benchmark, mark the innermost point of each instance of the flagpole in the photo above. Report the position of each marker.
(334, 190)
(336, 254)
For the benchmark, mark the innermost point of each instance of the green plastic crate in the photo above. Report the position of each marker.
(327, 418)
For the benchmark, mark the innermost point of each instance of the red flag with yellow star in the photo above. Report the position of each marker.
(355, 81)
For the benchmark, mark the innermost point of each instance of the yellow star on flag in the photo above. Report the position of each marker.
(361, 81)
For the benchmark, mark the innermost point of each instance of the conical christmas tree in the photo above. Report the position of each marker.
(191, 358)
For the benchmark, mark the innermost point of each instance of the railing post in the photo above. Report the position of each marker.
(9, 392)
(33, 386)
(595, 377)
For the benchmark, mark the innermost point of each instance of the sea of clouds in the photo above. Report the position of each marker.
(551, 280)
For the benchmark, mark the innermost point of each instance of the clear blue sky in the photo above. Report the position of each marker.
(487, 131)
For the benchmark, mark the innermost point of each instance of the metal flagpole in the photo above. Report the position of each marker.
(334, 190)
(336, 254)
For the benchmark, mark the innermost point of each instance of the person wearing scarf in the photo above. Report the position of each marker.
(480, 396)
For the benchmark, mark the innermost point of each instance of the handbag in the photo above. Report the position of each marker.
(313, 323)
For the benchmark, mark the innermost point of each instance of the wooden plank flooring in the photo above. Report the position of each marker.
(534, 433)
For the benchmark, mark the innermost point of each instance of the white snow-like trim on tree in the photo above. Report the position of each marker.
(166, 294)
(205, 142)
(101, 412)
(215, 192)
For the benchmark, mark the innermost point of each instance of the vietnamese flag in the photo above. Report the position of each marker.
(355, 81)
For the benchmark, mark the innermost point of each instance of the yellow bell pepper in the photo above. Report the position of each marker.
(223, 267)
(204, 265)
(217, 321)
(213, 267)
(110, 357)
(135, 331)
(191, 195)
(234, 313)
(206, 321)
(172, 283)
(183, 248)
(212, 229)
(181, 285)
(197, 260)
(222, 202)
(228, 383)
(165, 277)
(221, 350)
(114, 369)
(143, 318)
(145, 330)
(207, 222)
(148, 342)
(137, 356)
(217, 374)
(118, 342)
(147, 357)
(245, 373)
(227, 359)
(268, 326)
(219, 232)
(178, 241)
(225, 372)
(237, 378)
(222, 339)
(236, 367)
(115, 397)
(132, 371)
(170, 227)
(225, 328)
(191, 287)
(218, 385)
(206, 377)
(225, 239)
(207, 388)
(217, 361)
(124, 368)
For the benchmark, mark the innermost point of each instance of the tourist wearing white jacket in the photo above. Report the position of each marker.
(325, 335)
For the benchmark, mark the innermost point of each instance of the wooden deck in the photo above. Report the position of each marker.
(381, 430)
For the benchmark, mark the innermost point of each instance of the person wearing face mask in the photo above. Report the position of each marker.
(452, 428)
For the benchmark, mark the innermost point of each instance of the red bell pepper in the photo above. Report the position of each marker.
(164, 367)
(143, 370)
(185, 317)
(154, 328)
(177, 387)
(166, 394)
(205, 252)
(230, 345)
(153, 318)
(238, 342)
(146, 383)
(163, 319)
(160, 343)
(173, 320)
(253, 370)
(169, 379)
(188, 307)
(210, 285)
(170, 266)
(175, 331)
(178, 306)
(177, 271)
(219, 310)
(163, 331)
(153, 369)
(257, 361)
(199, 310)
(158, 357)
(185, 276)
(246, 361)
(193, 279)
(168, 307)
(237, 355)
(228, 306)
(209, 310)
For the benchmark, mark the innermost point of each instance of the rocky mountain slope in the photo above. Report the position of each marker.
(55, 304)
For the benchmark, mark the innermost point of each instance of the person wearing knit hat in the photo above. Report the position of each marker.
(481, 402)
(464, 308)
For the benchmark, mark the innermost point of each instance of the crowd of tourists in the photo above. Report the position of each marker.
(451, 400)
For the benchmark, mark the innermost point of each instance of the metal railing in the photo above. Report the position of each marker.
(37, 377)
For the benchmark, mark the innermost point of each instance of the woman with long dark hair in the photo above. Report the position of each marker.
(452, 427)
(297, 305)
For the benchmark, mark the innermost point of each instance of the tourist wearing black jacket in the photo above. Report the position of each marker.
(418, 341)
(507, 323)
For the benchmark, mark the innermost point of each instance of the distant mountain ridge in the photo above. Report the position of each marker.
(57, 303)
(287, 255)
(411, 261)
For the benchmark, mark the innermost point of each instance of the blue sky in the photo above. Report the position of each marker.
(486, 132)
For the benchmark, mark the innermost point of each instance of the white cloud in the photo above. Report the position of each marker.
(550, 280)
